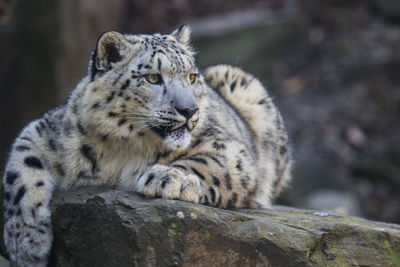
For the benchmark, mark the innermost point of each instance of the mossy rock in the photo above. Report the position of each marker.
(107, 227)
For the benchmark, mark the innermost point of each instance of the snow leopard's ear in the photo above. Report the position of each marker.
(182, 34)
(111, 48)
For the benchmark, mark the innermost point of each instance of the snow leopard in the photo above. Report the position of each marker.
(145, 118)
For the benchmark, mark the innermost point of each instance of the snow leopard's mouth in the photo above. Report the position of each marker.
(164, 131)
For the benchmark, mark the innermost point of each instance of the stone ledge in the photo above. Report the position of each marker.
(107, 227)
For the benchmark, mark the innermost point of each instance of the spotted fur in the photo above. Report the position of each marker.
(218, 140)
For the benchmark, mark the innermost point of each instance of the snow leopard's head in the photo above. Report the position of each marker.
(144, 86)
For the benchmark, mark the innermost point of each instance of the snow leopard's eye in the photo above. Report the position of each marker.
(192, 78)
(153, 78)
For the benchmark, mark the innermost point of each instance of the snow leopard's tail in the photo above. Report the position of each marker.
(245, 93)
(248, 96)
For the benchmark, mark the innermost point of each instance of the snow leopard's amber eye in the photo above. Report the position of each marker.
(192, 78)
(153, 78)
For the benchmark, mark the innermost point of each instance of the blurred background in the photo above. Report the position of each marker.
(332, 67)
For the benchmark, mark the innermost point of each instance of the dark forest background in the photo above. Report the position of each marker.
(332, 67)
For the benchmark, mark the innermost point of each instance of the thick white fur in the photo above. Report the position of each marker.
(119, 129)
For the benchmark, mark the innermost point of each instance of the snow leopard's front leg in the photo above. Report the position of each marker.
(169, 182)
(27, 191)
(221, 173)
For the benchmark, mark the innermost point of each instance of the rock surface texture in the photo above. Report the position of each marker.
(108, 227)
(105, 227)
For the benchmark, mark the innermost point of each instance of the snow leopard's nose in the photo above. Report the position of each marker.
(187, 112)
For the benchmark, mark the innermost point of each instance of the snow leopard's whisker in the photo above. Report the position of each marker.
(135, 116)
(155, 122)
(153, 125)
(138, 118)
(145, 127)
(135, 112)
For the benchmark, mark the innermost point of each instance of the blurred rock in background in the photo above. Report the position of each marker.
(331, 66)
